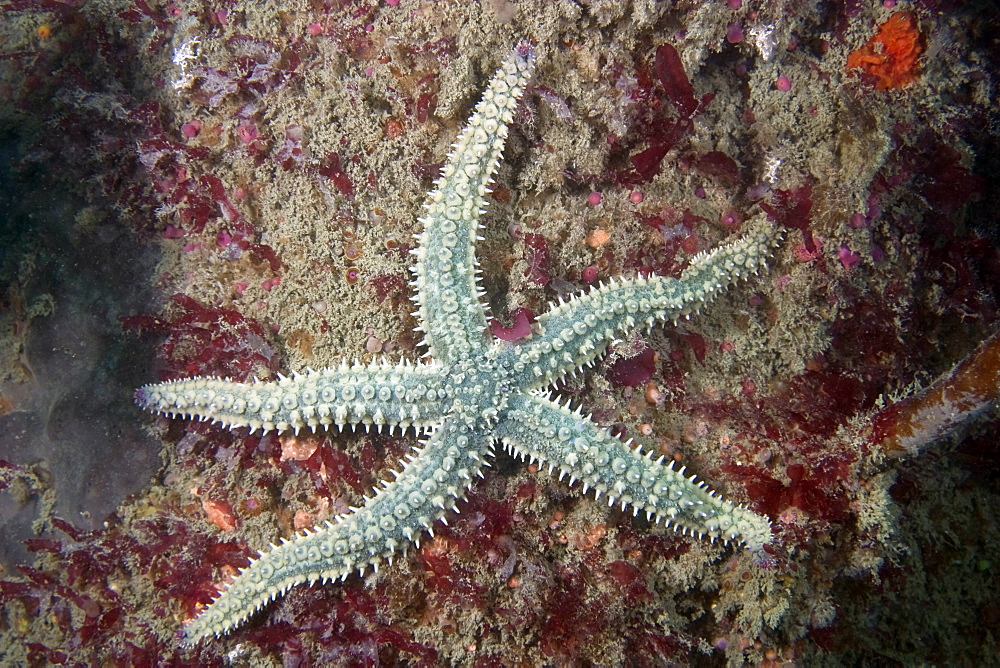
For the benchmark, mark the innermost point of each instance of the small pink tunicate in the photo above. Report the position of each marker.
(594, 198)
(848, 258)
(636, 197)
(803, 254)
(857, 220)
(247, 133)
(699, 192)
(783, 83)
(191, 130)
(874, 208)
(172, 232)
(589, 275)
(314, 29)
(758, 191)
(734, 33)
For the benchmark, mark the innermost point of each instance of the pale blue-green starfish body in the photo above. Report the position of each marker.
(473, 393)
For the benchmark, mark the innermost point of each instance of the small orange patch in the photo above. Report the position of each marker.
(299, 448)
(393, 128)
(891, 54)
(219, 513)
(587, 541)
(302, 340)
(597, 238)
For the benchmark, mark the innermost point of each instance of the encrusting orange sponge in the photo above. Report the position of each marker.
(891, 54)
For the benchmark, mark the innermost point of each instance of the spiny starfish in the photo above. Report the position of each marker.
(473, 393)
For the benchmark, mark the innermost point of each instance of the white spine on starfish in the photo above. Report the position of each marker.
(387, 395)
(452, 317)
(391, 521)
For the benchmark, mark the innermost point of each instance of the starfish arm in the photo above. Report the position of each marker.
(447, 294)
(395, 518)
(574, 333)
(401, 395)
(539, 429)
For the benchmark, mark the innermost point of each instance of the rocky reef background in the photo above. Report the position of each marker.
(232, 188)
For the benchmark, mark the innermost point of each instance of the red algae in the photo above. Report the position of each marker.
(537, 257)
(196, 345)
(634, 370)
(332, 169)
(720, 166)
(663, 130)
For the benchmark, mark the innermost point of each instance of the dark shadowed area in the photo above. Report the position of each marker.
(68, 371)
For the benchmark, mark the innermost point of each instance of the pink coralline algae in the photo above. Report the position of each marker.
(191, 129)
